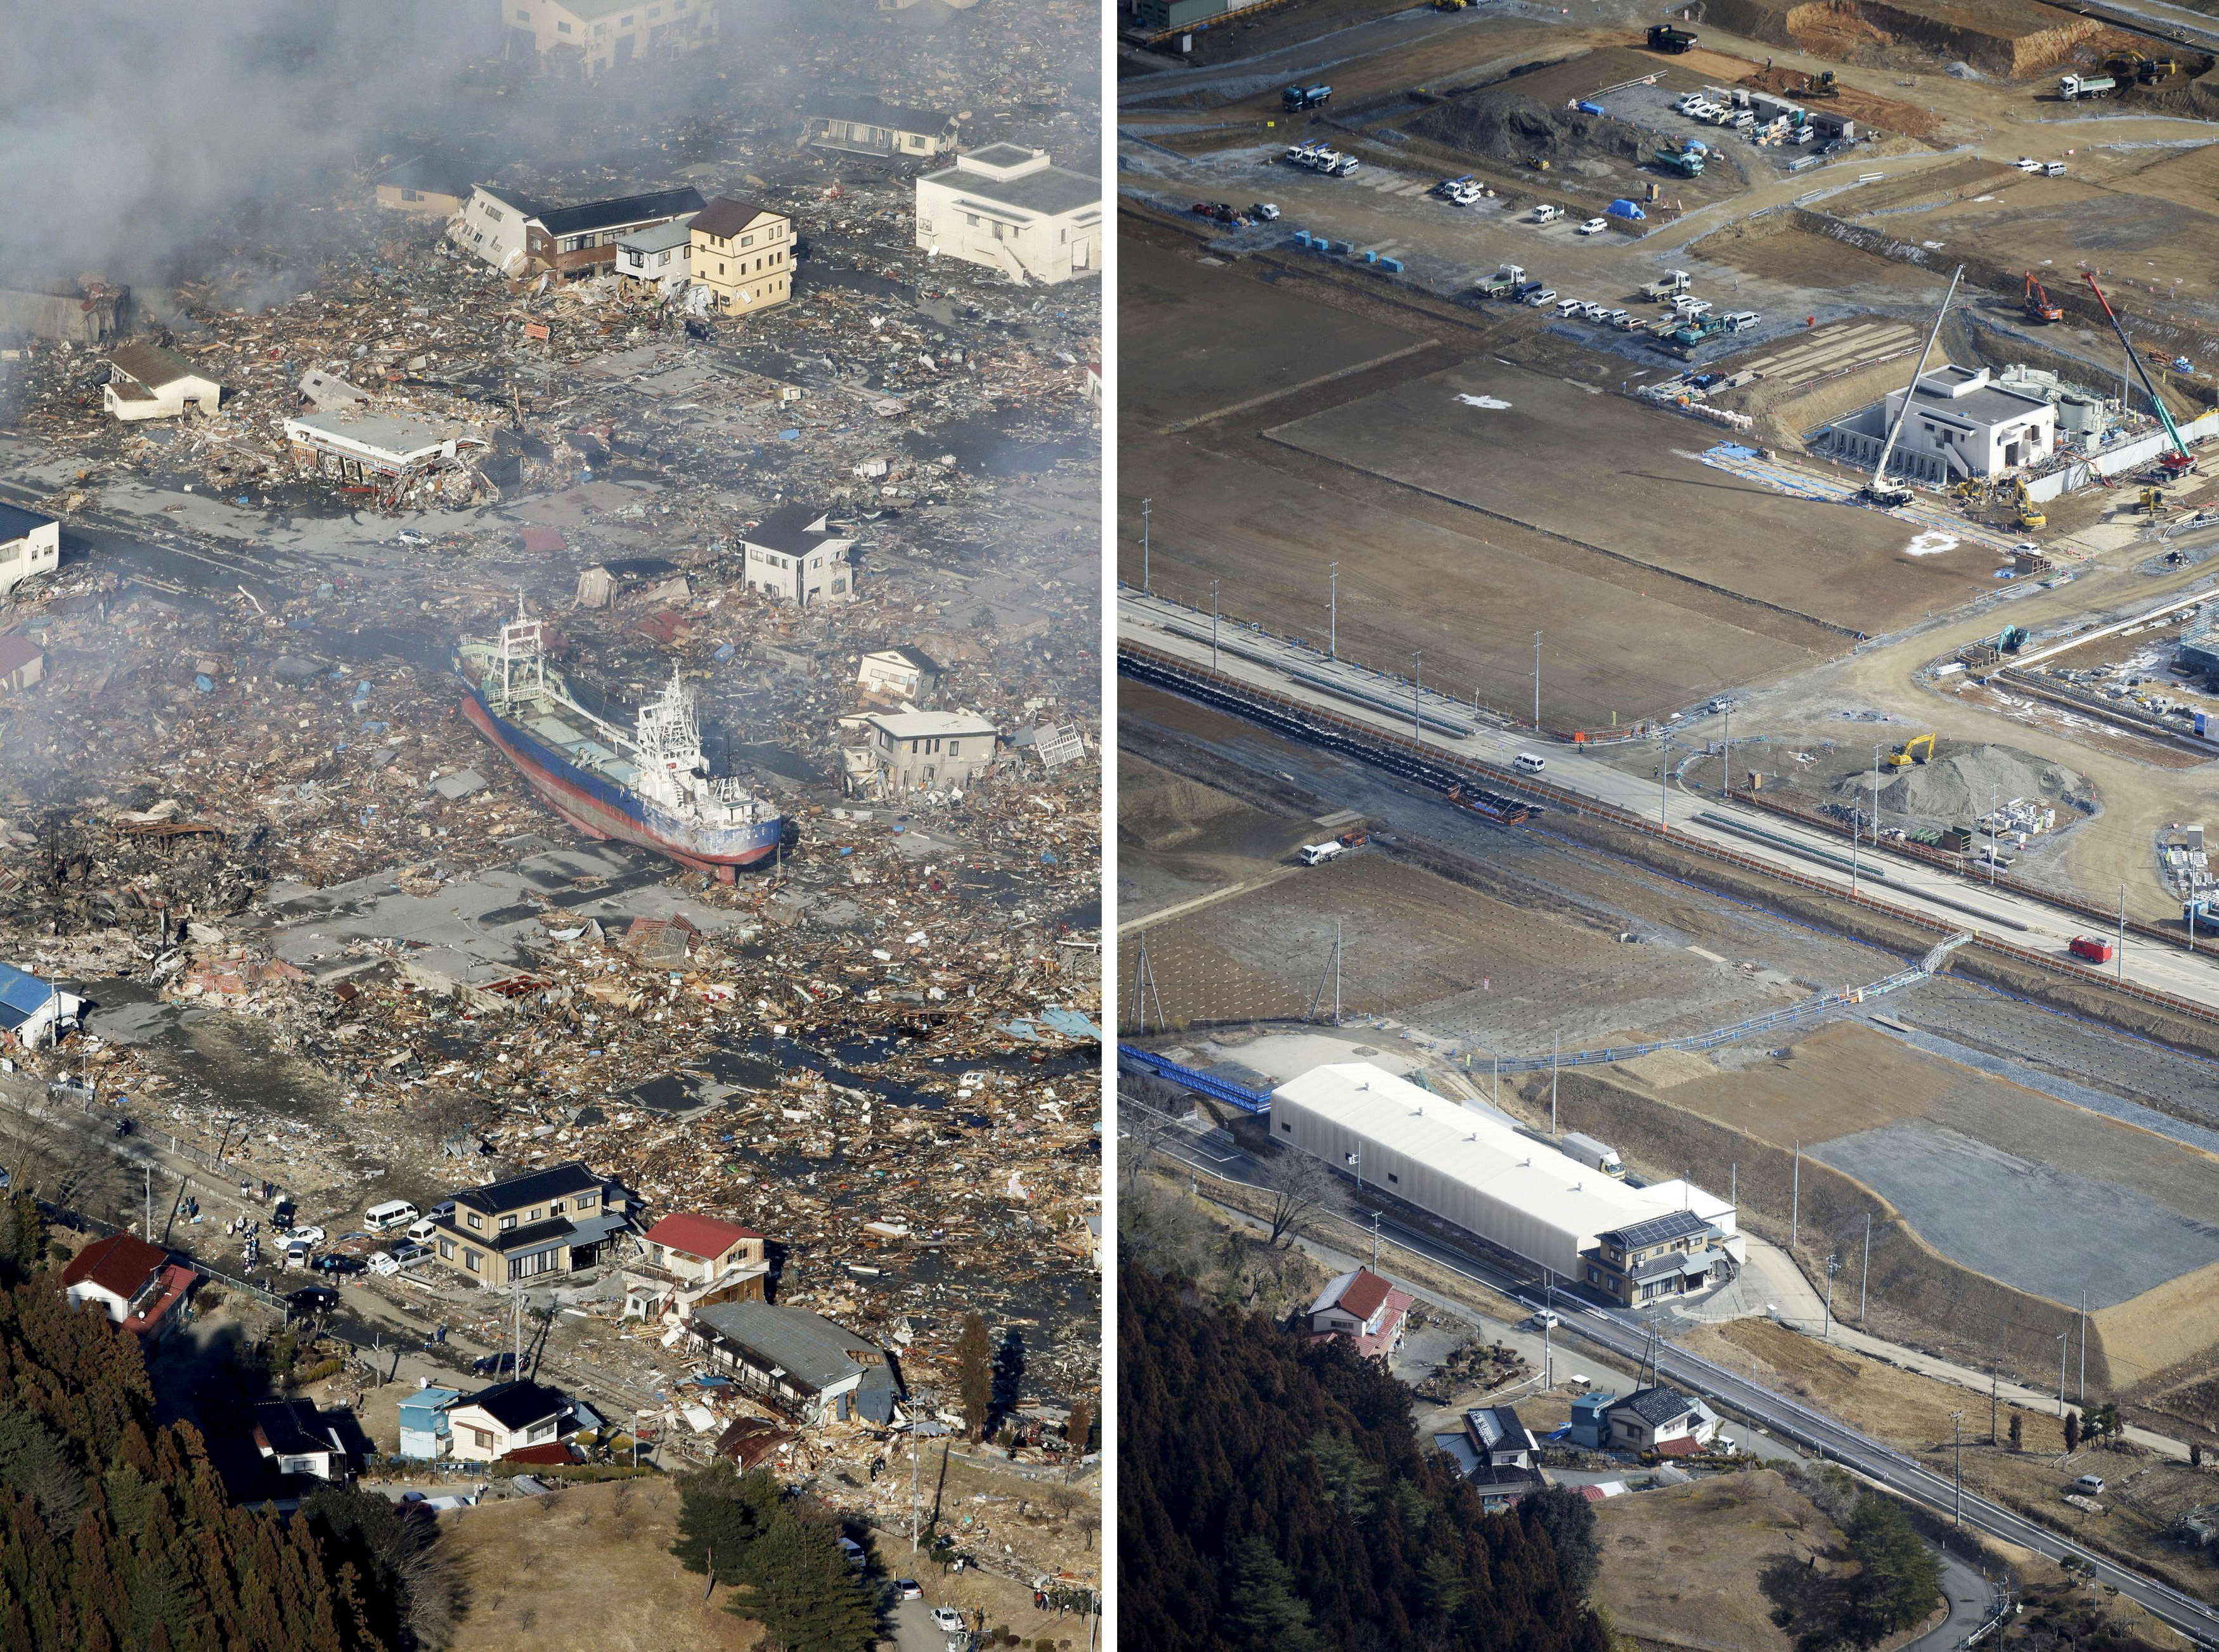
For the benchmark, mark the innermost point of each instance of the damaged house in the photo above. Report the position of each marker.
(865, 126)
(1009, 208)
(521, 237)
(794, 555)
(797, 1362)
(30, 544)
(79, 312)
(690, 1260)
(147, 382)
(659, 257)
(743, 252)
(34, 1012)
(901, 673)
(366, 448)
(589, 37)
(929, 751)
(423, 184)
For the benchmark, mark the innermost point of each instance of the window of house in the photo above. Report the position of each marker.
(476, 1222)
(555, 1210)
(447, 1249)
(523, 17)
(535, 1212)
(561, 28)
(1392, 1177)
(410, 194)
(626, 21)
(1286, 1129)
(471, 1259)
(507, 1223)
(482, 1438)
(954, 747)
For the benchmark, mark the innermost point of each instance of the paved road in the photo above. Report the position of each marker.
(1784, 1417)
(1969, 1594)
(1259, 659)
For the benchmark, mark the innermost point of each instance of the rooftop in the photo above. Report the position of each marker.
(1656, 1230)
(383, 433)
(814, 1353)
(929, 725)
(917, 659)
(623, 210)
(725, 216)
(518, 1404)
(702, 1236)
(16, 522)
(658, 237)
(151, 365)
(291, 1428)
(428, 175)
(1656, 1406)
(791, 530)
(872, 112)
(1360, 1293)
(120, 1264)
(1041, 190)
(532, 1188)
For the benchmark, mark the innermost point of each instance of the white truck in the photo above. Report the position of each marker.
(1316, 854)
(1595, 1155)
(1665, 286)
(1545, 214)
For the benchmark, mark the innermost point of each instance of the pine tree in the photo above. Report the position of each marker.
(720, 1515)
(1078, 1427)
(1263, 1613)
(974, 1376)
(1897, 1578)
(2072, 1430)
(2017, 1433)
(2196, 1454)
(803, 1592)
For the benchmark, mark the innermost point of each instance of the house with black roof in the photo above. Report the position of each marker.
(1010, 208)
(555, 1220)
(294, 1439)
(794, 555)
(427, 184)
(864, 126)
(1674, 1254)
(1660, 1419)
(1507, 1457)
(485, 1426)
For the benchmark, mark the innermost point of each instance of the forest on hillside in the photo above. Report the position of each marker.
(1274, 1497)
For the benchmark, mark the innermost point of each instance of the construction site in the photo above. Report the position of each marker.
(548, 797)
(1703, 647)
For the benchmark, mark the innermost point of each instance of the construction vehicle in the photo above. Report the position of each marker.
(2205, 912)
(2090, 950)
(1316, 854)
(1824, 86)
(2038, 305)
(1687, 162)
(1686, 338)
(2153, 500)
(1662, 37)
(2073, 87)
(1665, 286)
(1451, 5)
(1504, 282)
(2178, 462)
(1299, 98)
(2029, 514)
(1917, 750)
(1880, 491)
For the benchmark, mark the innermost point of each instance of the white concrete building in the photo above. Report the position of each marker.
(147, 382)
(358, 445)
(1465, 1166)
(1974, 426)
(30, 542)
(929, 751)
(657, 257)
(902, 673)
(1009, 208)
(496, 225)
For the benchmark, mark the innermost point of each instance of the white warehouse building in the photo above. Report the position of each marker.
(1518, 1194)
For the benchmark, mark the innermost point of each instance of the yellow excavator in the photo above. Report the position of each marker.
(2030, 515)
(1920, 750)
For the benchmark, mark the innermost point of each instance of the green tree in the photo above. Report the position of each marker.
(1350, 1478)
(2017, 1433)
(1078, 1427)
(1568, 1520)
(802, 1590)
(974, 1376)
(1898, 1579)
(721, 1513)
(2072, 1430)
(1262, 1610)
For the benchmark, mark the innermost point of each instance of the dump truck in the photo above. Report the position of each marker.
(1666, 285)
(2091, 949)
(1316, 854)
(1503, 283)
(2073, 87)
(1662, 37)
(1686, 162)
(1298, 98)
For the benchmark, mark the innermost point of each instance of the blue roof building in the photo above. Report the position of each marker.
(33, 1011)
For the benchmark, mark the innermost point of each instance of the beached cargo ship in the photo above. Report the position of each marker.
(650, 787)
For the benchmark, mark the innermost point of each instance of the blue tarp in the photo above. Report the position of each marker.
(1626, 209)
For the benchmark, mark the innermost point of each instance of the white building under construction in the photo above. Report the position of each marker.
(1635, 1244)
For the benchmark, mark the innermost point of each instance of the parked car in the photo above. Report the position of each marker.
(852, 1552)
(310, 1235)
(1545, 296)
(907, 1588)
(382, 1264)
(949, 1619)
(494, 1364)
(407, 1255)
(1594, 226)
(332, 1262)
(1265, 213)
(311, 1299)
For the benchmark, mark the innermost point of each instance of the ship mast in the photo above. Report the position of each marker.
(668, 745)
(523, 658)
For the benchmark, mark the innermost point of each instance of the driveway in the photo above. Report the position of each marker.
(914, 1629)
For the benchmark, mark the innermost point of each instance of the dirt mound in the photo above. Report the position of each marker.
(1960, 785)
(1866, 108)
(1520, 130)
(2010, 38)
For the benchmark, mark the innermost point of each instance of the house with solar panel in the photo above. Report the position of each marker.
(1675, 1254)
(35, 1012)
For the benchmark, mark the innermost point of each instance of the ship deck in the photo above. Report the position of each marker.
(544, 724)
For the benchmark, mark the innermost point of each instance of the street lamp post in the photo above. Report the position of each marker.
(1332, 610)
(1144, 505)
(1213, 628)
(1417, 678)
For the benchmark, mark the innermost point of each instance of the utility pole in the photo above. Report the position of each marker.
(1417, 676)
(1733, 1193)
(1853, 858)
(1833, 1267)
(1875, 817)
(1144, 505)
(1375, 1240)
(2063, 1337)
(1795, 1200)
(1554, 1042)
(1332, 608)
(2121, 955)
(1993, 1387)
(1537, 682)
(2081, 1387)
(1213, 628)
(1726, 791)
(1664, 786)
(916, 1501)
(1864, 1274)
(1957, 1444)
(146, 1221)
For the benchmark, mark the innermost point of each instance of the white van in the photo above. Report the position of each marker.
(394, 1213)
(2088, 1483)
(1529, 762)
(1740, 320)
(423, 1231)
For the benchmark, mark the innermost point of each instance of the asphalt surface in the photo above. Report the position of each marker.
(1259, 659)
(1812, 1430)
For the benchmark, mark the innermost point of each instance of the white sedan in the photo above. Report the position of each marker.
(1594, 226)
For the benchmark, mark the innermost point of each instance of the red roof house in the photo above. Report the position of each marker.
(135, 1283)
(1365, 1308)
(694, 1259)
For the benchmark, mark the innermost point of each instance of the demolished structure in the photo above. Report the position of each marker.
(147, 382)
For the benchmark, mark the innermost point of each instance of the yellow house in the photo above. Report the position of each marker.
(744, 253)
